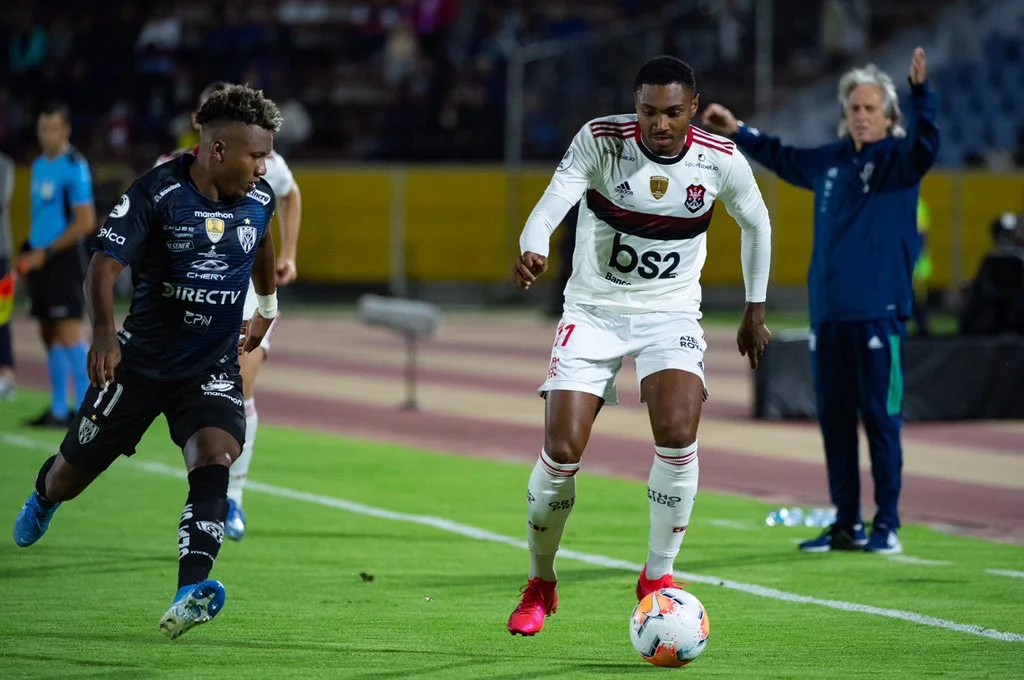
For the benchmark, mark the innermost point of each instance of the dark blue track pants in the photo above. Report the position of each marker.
(857, 368)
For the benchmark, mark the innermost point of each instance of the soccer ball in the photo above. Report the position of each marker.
(669, 627)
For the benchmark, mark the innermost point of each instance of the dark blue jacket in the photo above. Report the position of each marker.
(865, 213)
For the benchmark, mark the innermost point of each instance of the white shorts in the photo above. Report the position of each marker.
(591, 342)
(249, 309)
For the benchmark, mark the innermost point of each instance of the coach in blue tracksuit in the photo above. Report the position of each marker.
(53, 260)
(860, 284)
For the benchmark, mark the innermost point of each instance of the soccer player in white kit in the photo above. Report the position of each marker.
(649, 183)
(289, 216)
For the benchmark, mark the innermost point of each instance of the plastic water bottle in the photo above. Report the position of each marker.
(820, 517)
(776, 517)
(789, 517)
(795, 517)
(814, 517)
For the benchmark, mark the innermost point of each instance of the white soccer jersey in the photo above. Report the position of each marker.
(641, 235)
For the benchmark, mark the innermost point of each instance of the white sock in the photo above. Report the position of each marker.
(239, 471)
(671, 489)
(550, 496)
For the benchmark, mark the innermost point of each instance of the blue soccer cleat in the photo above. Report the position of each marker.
(193, 605)
(883, 541)
(836, 538)
(33, 520)
(234, 525)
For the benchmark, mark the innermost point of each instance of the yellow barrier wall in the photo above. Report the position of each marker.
(462, 223)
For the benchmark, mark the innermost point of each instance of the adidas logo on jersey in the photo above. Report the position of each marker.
(623, 189)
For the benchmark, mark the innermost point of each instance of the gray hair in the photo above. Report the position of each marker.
(871, 75)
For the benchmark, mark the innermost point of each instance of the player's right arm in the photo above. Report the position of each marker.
(122, 239)
(571, 179)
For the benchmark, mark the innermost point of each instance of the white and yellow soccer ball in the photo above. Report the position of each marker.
(669, 627)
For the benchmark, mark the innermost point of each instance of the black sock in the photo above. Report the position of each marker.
(41, 483)
(202, 523)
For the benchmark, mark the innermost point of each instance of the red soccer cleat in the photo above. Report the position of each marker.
(645, 586)
(540, 600)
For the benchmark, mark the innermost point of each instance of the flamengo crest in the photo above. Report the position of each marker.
(694, 197)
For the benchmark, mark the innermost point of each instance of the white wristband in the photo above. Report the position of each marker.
(267, 305)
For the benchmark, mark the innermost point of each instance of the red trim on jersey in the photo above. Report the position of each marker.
(698, 136)
(645, 225)
(622, 130)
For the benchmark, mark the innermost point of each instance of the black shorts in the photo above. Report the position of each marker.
(55, 289)
(112, 420)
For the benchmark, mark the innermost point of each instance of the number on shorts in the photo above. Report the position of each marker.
(118, 389)
(564, 333)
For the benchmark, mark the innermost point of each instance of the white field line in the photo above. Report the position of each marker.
(589, 558)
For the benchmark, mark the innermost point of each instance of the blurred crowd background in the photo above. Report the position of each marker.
(428, 80)
(423, 131)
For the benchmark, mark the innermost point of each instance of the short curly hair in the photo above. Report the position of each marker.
(665, 70)
(240, 104)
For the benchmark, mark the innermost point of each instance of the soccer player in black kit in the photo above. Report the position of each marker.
(193, 231)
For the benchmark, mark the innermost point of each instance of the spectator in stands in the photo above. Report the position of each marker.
(27, 49)
(866, 188)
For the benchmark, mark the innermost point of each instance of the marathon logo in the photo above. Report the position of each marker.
(221, 215)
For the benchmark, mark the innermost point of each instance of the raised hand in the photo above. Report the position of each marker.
(918, 67)
(720, 120)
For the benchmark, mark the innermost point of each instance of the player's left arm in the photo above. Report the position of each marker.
(289, 218)
(263, 278)
(744, 202)
(264, 281)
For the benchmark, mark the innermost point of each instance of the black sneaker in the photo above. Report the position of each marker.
(836, 538)
(48, 419)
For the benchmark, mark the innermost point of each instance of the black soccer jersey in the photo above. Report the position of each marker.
(191, 259)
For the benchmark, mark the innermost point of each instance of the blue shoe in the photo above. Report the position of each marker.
(33, 521)
(836, 538)
(234, 525)
(883, 541)
(193, 605)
